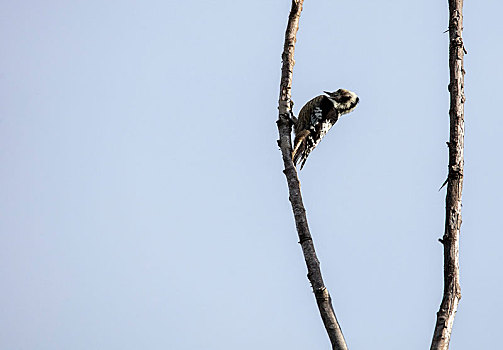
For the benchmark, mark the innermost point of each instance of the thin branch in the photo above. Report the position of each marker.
(450, 240)
(285, 143)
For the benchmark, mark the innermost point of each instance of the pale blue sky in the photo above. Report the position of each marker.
(143, 204)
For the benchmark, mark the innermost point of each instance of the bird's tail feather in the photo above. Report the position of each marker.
(304, 158)
(299, 146)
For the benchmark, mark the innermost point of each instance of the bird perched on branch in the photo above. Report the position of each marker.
(316, 118)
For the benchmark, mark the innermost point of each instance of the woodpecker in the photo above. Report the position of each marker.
(316, 118)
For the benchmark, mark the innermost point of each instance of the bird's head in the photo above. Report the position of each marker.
(344, 100)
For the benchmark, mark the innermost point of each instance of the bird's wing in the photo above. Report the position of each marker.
(315, 120)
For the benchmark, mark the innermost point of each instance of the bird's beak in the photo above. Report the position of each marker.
(328, 93)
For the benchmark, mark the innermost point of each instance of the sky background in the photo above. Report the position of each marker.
(143, 204)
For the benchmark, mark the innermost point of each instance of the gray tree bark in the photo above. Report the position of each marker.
(285, 143)
(450, 240)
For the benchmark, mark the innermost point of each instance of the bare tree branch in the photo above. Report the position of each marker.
(285, 143)
(450, 240)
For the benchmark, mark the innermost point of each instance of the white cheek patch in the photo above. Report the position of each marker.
(345, 107)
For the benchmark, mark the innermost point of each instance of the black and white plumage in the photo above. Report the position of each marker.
(316, 118)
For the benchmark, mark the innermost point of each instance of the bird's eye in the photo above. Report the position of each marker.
(343, 98)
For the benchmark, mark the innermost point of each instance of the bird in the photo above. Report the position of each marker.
(316, 118)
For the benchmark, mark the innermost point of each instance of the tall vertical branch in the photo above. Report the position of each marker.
(285, 143)
(450, 240)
